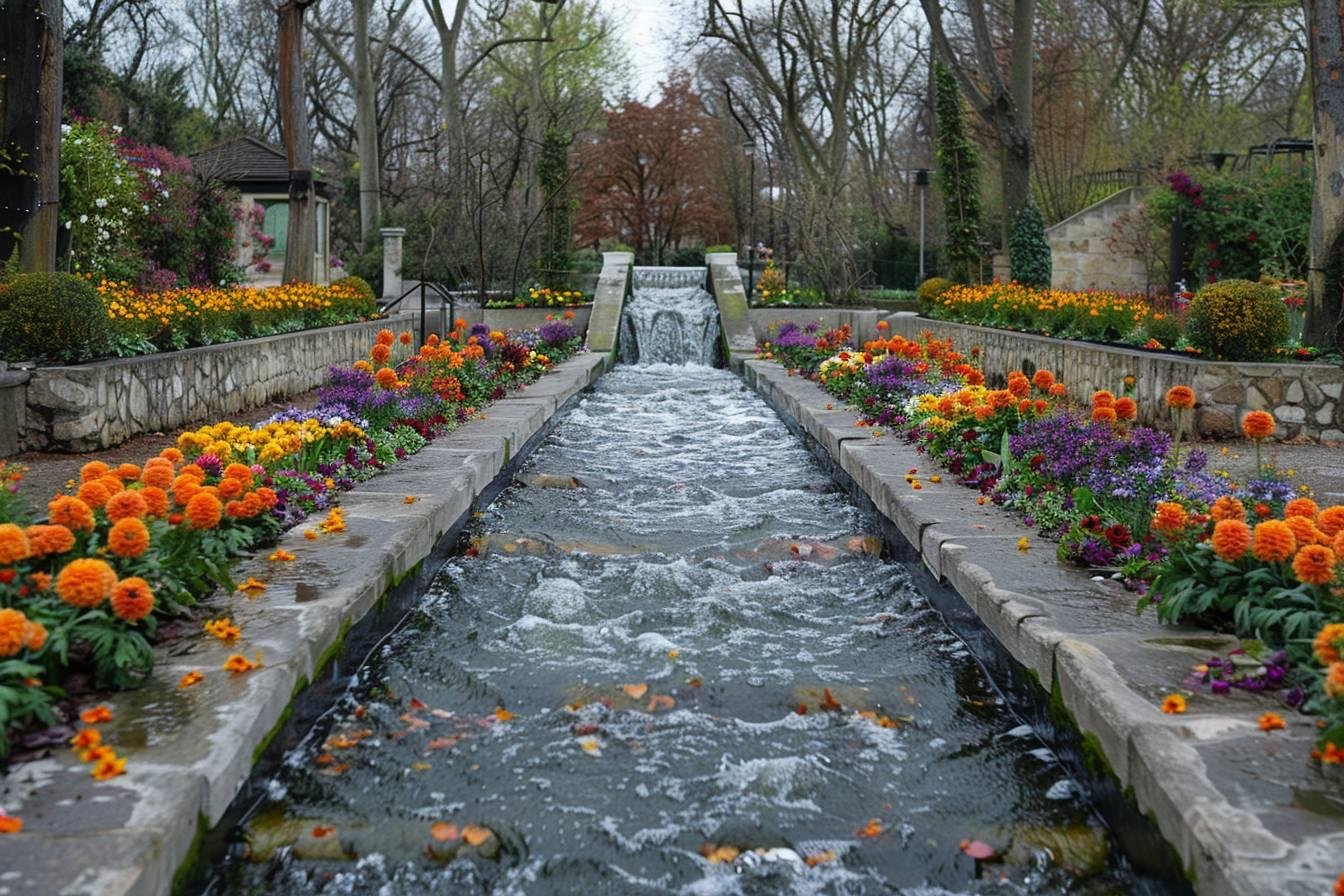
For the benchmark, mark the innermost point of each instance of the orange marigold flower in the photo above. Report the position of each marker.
(85, 582)
(92, 470)
(253, 587)
(70, 512)
(126, 504)
(156, 500)
(93, 493)
(127, 472)
(1169, 518)
(86, 739)
(1257, 425)
(132, 599)
(280, 555)
(405, 337)
(1304, 530)
(1058, 390)
(1040, 406)
(1125, 408)
(1231, 539)
(1273, 541)
(10, 824)
(363, 366)
(1329, 644)
(1339, 886)
(172, 455)
(881, 325)
(241, 472)
(1315, 565)
(267, 497)
(35, 636)
(1261, 509)
(204, 511)
(194, 677)
(1180, 397)
(1103, 398)
(1018, 384)
(237, 664)
(44, 540)
(1334, 680)
(1331, 520)
(380, 353)
(14, 545)
(1103, 414)
(112, 483)
(96, 715)
(999, 399)
(13, 628)
(386, 377)
(1173, 704)
(385, 337)
(159, 476)
(230, 488)
(1227, 508)
(1043, 380)
(1301, 507)
(108, 767)
(1272, 721)
(976, 378)
(185, 488)
(223, 629)
(128, 538)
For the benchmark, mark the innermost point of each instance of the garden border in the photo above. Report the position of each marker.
(190, 752)
(1224, 794)
(87, 407)
(1304, 398)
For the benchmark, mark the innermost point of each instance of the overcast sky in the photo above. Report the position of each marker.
(648, 27)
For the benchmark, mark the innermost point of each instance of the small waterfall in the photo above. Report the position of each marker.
(668, 278)
(670, 325)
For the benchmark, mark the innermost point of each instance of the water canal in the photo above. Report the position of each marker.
(673, 661)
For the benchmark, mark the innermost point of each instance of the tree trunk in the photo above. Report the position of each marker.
(302, 236)
(30, 132)
(366, 126)
(1325, 27)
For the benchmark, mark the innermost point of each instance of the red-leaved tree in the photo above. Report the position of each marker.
(649, 180)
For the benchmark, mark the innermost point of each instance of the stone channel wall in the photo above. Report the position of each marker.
(1304, 398)
(98, 405)
(190, 753)
(1244, 810)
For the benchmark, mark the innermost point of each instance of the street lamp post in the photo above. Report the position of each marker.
(749, 147)
(921, 181)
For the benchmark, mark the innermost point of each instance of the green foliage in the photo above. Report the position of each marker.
(359, 284)
(1165, 328)
(553, 176)
(53, 317)
(1237, 320)
(718, 248)
(929, 291)
(100, 199)
(1028, 249)
(958, 180)
(1243, 224)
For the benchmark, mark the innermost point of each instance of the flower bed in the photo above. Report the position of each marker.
(83, 595)
(1257, 558)
(543, 297)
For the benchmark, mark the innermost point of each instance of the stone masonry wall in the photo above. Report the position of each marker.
(1304, 398)
(98, 405)
(1080, 252)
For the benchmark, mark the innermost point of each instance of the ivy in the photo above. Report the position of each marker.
(958, 179)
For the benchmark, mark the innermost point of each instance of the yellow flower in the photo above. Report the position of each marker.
(1173, 704)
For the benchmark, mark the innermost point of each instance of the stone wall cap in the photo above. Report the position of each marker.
(392, 231)
(11, 378)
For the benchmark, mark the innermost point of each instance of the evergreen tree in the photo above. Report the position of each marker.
(1028, 249)
(552, 168)
(958, 179)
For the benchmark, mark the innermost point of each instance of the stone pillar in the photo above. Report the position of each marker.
(392, 285)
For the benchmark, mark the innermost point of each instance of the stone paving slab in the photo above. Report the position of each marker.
(189, 752)
(1245, 811)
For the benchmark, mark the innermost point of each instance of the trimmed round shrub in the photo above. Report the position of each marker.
(360, 284)
(1237, 320)
(52, 317)
(931, 289)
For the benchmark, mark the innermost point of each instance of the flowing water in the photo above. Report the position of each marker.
(672, 320)
(672, 661)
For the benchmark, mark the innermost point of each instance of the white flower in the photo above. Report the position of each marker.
(333, 421)
(65, 129)
(145, 207)
(83, 219)
(154, 172)
(165, 193)
(69, 224)
(100, 202)
(117, 180)
(116, 128)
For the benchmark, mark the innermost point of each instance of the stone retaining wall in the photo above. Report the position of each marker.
(98, 405)
(1245, 810)
(1304, 398)
(190, 753)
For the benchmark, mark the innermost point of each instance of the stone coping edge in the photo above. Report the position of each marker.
(1081, 639)
(190, 752)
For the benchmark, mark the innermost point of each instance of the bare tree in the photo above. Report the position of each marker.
(1325, 25)
(301, 241)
